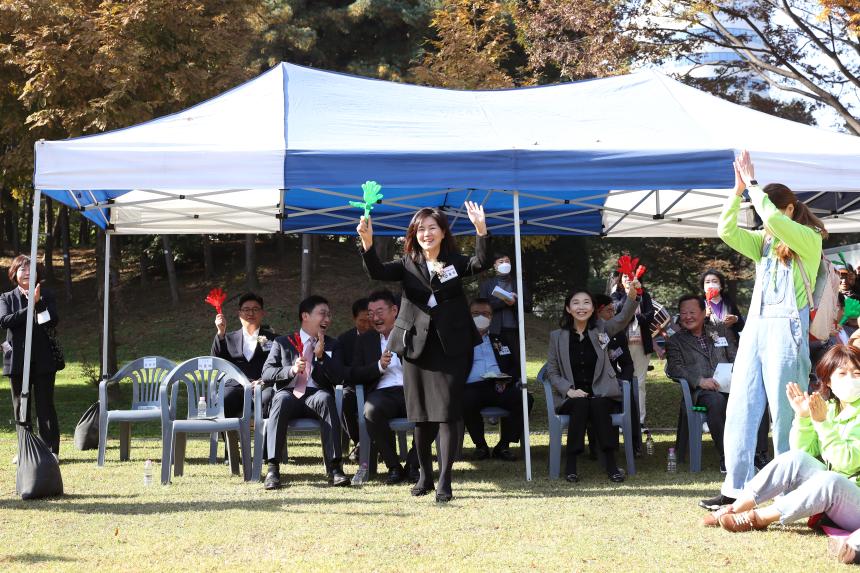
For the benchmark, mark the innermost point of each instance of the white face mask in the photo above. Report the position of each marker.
(504, 268)
(481, 322)
(846, 388)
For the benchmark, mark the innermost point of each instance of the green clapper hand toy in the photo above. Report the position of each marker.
(852, 310)
(371, 197)
(841, 261)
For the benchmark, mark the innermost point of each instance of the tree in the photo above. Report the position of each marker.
(847, 10)
(790, 45)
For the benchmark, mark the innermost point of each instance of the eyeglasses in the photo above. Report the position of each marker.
(251, 310)
(380, 313)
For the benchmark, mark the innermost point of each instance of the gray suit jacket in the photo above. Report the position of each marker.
(686, 359)
(558, 368)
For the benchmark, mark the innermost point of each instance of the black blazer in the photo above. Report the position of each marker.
(450, 316)
(364, 368)
(508, 363)
(13, 317)
(232, 350)
(327, 372)
(346, 344)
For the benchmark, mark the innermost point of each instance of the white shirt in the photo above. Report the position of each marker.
(393, 375)
(249, 344)
(431, 302)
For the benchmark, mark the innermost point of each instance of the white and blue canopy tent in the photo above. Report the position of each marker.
(634, 155)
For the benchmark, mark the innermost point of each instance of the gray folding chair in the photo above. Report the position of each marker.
(261, 426)
(145, 375)
(689, 434)
(366, 452)
(559, 422)
(203, 376)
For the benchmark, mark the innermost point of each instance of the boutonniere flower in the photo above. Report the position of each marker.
(262, 340)
(603, 338)
(715, 336)
(437, 267)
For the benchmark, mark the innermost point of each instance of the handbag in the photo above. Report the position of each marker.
(87, 430)
(56, 349)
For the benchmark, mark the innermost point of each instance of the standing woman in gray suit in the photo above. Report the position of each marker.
(434, 333)
(583, 379)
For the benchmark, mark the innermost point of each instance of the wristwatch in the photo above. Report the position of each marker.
(753, 182)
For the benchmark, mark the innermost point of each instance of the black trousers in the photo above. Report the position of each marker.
(483, 394)
(349, 416)
(42, 392)
(716, 403)
(234, 399)
(315, 403)
(596, 411)
(380, 407)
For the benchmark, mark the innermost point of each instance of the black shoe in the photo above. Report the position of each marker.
(616, 476)
(723, 466)
(760, 460)
(395, 476)
(716, 502)
(353, 454)
(481, 453)
(572, 478)
(504, 453)
(338, 479)
(419, 490)
(273, 480)
(443, 497)
(413, 473)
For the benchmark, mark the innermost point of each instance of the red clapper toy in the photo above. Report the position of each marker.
(216, 298)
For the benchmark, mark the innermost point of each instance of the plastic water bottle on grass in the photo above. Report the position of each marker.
(672, 466)
(649, 444)
(147, 473)
(201, 407)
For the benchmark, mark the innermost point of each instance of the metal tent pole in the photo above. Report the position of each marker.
(106, 310)
(31, 309)
(522, 328)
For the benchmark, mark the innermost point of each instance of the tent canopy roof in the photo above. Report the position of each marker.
(633, 155)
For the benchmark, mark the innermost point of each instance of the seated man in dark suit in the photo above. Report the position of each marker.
(305, 373)
(346, 345)
(493, 382)
(693, 354)
(247, 348)
(381, 373)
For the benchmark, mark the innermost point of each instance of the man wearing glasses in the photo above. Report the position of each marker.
(247, 348)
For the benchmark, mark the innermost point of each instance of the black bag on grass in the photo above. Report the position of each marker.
(38, 471)
(87, 430)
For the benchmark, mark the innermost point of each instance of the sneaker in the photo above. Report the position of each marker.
(15, 460)
(741, 522)
(844, 553)
(723, 466)
(713, 518)
(716, 502)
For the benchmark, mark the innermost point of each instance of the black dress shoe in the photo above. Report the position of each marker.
(716, 502)
(572, 478)
(616, 477)
(481, 453)
(504, 454)
(395, 476)
(419, 490)
(413, 473)
(443, 497)
(338, 479)
(273, 480)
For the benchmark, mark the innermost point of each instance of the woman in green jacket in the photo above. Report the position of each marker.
(821, 473)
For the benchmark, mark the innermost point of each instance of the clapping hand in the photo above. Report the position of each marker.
(476, 215)
(798, 399)
(319, 349)
(385, 360)
(744, 170)
(729, 319)
(817, 408)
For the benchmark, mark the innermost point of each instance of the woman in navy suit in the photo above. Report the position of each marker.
(434, 334)
(43, 369)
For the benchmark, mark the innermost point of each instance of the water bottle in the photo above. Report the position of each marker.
(147, 473)
(201, 407)
(672, 466)
(361, 475)
(649, 444)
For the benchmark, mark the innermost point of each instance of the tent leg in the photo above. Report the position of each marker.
(28, 337)
(106, 310)
(522, 327)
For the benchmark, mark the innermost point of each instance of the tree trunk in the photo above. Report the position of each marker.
(13, 221)
(315, 254)
(208, 259)
(281, 241)
(143, 264)
(67, 256)
(171, 269)
(307, 266)
(49, 238)
(83, 231)
(251, 281)
(112, 305)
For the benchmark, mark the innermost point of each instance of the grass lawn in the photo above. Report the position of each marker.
(207, 520)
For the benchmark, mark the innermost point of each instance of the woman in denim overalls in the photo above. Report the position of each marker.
(774, 348)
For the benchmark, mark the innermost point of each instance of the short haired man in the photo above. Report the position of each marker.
(492, 382)
(247, 348)
(305, 373)
(381, 373)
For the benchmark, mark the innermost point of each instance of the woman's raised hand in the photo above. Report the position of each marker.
(476, 215)
(745, 169)
(798, 399)
(632, 288)
(365, 231)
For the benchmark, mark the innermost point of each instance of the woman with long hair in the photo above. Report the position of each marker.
(721, 308)
(821, 473)
(434, 334)
(774, 348)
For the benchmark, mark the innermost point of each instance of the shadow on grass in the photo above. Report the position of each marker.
(35, 558)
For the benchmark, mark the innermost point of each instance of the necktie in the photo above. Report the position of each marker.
(302, 377)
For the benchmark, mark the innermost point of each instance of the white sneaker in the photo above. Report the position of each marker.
(705, 428)
(15, 460)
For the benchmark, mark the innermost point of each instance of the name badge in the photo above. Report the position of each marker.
(43, 317)
(149, 362)
(448, 273)
(7, 347)
(504, 351)
(721, 341)
(615, 353)
(204, 364)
